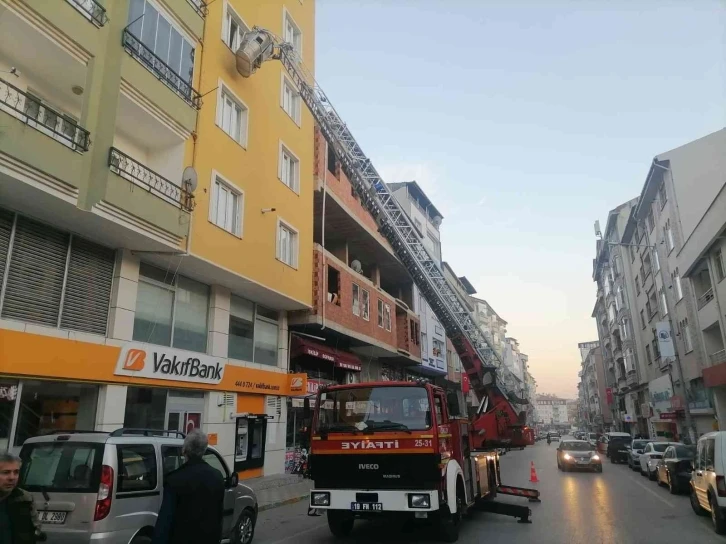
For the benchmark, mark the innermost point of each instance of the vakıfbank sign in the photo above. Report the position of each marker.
(149, 361)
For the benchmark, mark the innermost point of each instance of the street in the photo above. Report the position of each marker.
(618, 505)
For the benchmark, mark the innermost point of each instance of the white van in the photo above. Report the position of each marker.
(708, 484)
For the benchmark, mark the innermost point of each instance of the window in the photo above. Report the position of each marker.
(171, 310)
(232, 116)
(287, 244)
(356, 299)
(687, 340)
(656, 348)
(332, 160)
(49, 406)
(137, 468)
(233, 29)
(250, 442)
(384, 315)
(241, 329)
(225, 207)
(637, 285)
(145, 408)
(632, 254)
(291, 34)
(34, 289)
(718, 265)
(648, 357)
(670, 244)
(290, 100)
(651, 221)
(678, 285)
(158, 34)
(289, 172)
(709, 454)
(647, 267)
(662, 195)
(652, 303)
(663, 303)
(642, 319)
(438, 348)
(656, 261)
(611, 313)
(625, 326)
(417, 224)
(361, 299)
(365, 304)
(266, 336)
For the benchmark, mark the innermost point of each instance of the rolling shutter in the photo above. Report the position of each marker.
(88, 287)
(35, 279)
(6, 226)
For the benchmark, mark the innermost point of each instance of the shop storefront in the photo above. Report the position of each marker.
(49, 384)
(663, 420)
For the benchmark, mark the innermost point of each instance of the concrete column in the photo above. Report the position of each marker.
(283, 342)
(216, 421)
(111, 407)
(218, 335)
(376, 276)
(123, 296)
(275, 446)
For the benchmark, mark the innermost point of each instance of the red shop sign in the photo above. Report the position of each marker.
(609, 394)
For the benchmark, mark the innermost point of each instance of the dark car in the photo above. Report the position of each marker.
(618, 449)
(675, 467)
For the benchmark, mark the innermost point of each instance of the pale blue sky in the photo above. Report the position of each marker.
(525, 121)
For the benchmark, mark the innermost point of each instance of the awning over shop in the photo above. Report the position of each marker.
(341, 359)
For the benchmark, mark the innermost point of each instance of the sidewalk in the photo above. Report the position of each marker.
(279, 490)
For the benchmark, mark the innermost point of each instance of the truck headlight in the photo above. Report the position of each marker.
(419, 500)
(320, 498)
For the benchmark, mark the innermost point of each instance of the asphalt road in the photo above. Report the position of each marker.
(617, 506)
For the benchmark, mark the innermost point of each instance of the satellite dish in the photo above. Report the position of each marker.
(189, 179)
(356, 266)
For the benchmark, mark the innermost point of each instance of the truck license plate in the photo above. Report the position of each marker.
(46, 516)
(366, 507)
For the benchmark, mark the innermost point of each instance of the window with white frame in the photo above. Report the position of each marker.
(361, 299)
(678, 285)
(290, 99)
(686, 332)
(225, 207)
(384, 315)
(656, 261)
(669, 235)
(289, 169)
(292, 34)
(356, 299)
(662, 195)
(663, 304)
(719, 265)
(287, 242)
(233, 29)
(232, 116)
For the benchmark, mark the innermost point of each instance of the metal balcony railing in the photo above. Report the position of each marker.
(718, 357)
(135, 172)
(91, 10)
(200, 7)
(161, 70)
(34, 113)
(705, 298)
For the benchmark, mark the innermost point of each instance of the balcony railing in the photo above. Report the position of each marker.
(91, 10)
(34, 113)
(135, 172)
(705, 298)
(200, 6)
(718, 357)
(161, 70)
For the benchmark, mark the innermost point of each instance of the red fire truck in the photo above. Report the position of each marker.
(402, 449)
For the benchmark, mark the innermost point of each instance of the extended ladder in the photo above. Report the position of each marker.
(478, 357)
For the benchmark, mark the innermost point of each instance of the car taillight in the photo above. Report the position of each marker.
(105, 492)
(721, 486)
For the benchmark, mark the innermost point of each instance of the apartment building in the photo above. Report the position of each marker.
(489, 321)
(153, 212)
(552, 411)
(594, 397)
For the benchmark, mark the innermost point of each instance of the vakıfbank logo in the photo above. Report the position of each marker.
(296, 384)
(135, 359)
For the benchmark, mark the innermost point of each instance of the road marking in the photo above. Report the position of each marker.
(298, 533)
(656, 495)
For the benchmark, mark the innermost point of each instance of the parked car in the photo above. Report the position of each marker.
(674, 469)
(577, 454)
(554, 436)
(618, 447)
(652, 453)
(106, 487)
(708, 483)
(636, 449)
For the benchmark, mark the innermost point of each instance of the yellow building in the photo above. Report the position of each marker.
(112, 259)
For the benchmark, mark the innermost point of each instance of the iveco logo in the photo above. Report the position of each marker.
(362, 466)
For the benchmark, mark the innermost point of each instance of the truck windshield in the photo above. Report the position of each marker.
(369, 409)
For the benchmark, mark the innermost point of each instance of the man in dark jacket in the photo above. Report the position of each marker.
(18, 519)
(193, 502)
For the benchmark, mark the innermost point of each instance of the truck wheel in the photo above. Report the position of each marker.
(449, 523)
(340, 523)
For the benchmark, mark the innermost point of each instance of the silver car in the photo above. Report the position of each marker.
(106, 488)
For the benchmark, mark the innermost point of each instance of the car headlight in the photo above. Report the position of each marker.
(595, 457)
(567, 457)
(419, 500)
(320, 498)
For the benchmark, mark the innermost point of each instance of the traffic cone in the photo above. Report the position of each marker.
(533, 474)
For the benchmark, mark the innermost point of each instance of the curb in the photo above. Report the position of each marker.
(282, 503)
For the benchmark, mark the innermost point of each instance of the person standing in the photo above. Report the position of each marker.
(19, 522)
(192, 505)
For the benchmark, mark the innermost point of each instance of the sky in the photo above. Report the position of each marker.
(524, 122)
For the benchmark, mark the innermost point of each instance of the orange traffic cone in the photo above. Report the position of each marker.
(533, 474)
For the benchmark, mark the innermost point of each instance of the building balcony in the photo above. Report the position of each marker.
(705, 298)
(632, 378)
(91, 10)
(161, 71)
(717, 358)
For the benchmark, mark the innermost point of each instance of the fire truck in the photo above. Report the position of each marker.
(398, 447)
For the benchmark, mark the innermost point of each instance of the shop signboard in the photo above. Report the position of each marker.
(152, 361)
(661, 391)
(665, 340)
